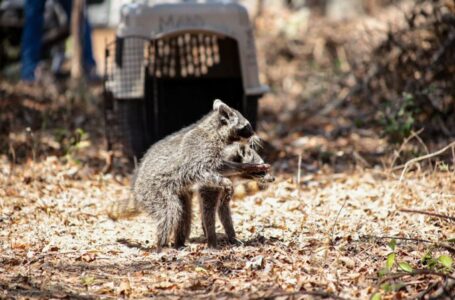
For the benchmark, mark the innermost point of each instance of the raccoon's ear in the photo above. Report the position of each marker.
(225, 111)
(217, 103)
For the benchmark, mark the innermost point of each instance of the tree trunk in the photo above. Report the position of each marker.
(76, 32)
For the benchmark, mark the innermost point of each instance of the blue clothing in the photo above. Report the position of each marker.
(32, 37)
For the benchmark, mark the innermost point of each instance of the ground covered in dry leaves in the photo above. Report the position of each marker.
(329, 235)
(333, 225)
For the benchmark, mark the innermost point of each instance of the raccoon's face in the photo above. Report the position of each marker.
(237, 125)
(245, 154)
(249, 155)
(241, 153)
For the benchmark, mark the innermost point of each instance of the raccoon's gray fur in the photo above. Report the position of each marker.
(190, 156)
(236, 152)
(214, 199)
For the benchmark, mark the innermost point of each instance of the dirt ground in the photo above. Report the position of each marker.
(333, 225)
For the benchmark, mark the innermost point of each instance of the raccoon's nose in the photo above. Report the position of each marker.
(246, 131)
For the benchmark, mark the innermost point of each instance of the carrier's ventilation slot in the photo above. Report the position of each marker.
(185, 55)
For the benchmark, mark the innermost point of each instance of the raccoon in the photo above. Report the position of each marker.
(190, 156)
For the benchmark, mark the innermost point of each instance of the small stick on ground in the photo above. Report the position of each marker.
(436, 244)
(381, 237)
(427, 213)
(12, 162)
(423, 157)
(336, 218)
(446, 289)
(414, 273)
(299, 172)
(405, 142)
(317, 294)
(425, 291)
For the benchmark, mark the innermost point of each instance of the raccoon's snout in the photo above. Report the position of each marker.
(246, 131)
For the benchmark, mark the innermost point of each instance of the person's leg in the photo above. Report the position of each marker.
(32, 38)
(86, 31)
(67, 5)
(87, 52)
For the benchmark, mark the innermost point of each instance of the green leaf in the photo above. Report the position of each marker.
(392, 244)
(383, 272)
(376, 296)
(405, 267)
(390, 260)
(446, 261)
(386, 287)
(451, 240)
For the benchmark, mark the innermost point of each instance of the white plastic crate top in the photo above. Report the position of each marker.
(164, 18)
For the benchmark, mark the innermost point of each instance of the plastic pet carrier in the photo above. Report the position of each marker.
(168, 63)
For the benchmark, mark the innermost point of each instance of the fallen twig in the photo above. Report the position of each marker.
(425, 291)
(396, 238)
(397, 275)
(336, 219)
(299, 172)
(414, 273)
(413, 134)
(423, 157)
(446, 289)
(436, 244)
(319, 294)
(427, 213)
(12, 162)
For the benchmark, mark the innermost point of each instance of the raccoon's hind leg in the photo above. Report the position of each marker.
(224, 213)
(183, 229)
(210, 194)
(209, 199)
